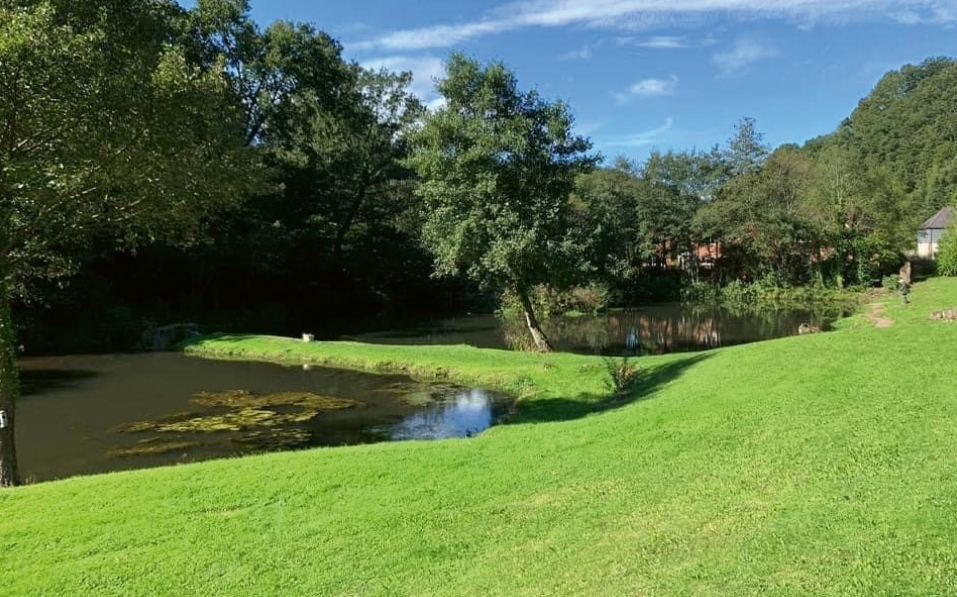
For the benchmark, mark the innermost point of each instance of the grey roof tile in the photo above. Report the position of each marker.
(939, 220)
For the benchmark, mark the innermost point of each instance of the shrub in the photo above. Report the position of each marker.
(701, 292)
(622, 375)
(739, 293)
(947, 255)
(549, 302)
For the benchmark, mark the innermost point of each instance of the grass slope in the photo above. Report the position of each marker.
(816, 465)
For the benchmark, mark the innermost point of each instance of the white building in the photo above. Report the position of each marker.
(930, 232)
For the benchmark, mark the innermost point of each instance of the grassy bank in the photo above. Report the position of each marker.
(815, 465)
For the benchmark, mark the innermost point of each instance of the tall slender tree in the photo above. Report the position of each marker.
(496, 167)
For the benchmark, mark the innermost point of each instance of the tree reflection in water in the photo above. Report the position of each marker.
(668, 328)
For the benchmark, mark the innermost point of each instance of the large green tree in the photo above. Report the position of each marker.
(106, 128)
(341, 165)
(496, 166)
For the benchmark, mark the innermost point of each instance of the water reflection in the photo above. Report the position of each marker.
(652, 330)
(668, 328)
(91, 414)
(466, 414)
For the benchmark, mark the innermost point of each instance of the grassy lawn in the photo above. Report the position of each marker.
(814, 465)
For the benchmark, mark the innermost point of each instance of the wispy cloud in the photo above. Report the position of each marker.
(648, 88)
(663, 43)
(639, 139)
(583, 53)
(643, 14)
(745, 53)
(652, 87)
(425, 70)
(942, 14)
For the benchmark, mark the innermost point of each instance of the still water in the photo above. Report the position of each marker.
(92, 414)
(652, 330)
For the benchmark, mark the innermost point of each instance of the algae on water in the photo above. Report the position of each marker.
(239, 410)
(244, 399)
(152, 447)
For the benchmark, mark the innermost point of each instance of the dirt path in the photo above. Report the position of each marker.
(877, 317)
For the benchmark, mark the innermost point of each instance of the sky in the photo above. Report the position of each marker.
(644, 75)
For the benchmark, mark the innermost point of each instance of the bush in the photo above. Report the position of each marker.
(739, 293)
(947, 255)
(701, 292)
(622, 375)
(548, 302)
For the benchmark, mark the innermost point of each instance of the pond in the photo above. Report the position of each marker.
(651, 330)
(93, 414)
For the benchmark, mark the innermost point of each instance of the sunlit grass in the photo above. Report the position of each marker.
(814, 465)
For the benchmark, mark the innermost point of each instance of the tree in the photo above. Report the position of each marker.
(339, 164)
(747, 150)
(105, 128)
(271, 71)
(605, 215)
(631, 215)
(496, 167)
(731, 215)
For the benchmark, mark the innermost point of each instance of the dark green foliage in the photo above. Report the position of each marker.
(549, 302)
(109, 132)
(496, 166)
(622, 375)
(947, 256)
(634, 221)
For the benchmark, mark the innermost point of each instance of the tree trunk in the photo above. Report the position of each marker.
(350, 218)
(538, 336)
(9, 388)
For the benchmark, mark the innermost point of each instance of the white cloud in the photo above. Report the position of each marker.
(663, 43)
(745, 53)
(425, 70)
(652, 87)
(640, 139)
(648, 88)
(581, 54)
(639, 14)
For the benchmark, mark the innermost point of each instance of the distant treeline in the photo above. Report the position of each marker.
(332, 235)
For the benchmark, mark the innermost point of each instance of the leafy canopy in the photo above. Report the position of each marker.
(496, 166)
(106, 129)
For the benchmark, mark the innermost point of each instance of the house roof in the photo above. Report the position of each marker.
(939, 220)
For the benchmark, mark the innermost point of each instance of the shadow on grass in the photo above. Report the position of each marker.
(564, 409)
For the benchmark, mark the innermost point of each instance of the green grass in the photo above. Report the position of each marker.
(814, 465)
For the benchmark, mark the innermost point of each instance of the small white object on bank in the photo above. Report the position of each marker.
(308, 337)
(4, 421)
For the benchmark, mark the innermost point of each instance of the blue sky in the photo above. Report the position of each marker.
(645, 74)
